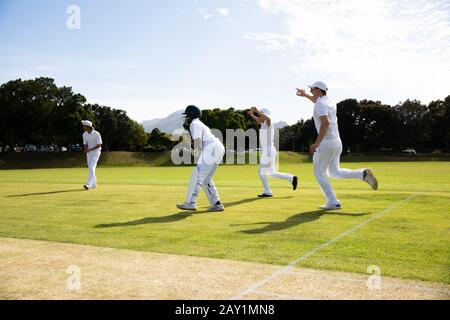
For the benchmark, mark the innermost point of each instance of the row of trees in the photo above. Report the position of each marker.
(365, 126)
(371, 126)
(39, 112)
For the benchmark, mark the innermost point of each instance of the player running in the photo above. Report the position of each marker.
(267, 165)
(327, 149)
(211, 151)
(92, 141)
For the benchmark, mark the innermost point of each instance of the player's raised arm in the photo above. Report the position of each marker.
(302, 93)
(264, 116)
(259, 117)
(252, 115)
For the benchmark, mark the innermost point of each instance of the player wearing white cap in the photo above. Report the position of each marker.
(211, 151)
(92, 141)
(267, 166)
(327, 148)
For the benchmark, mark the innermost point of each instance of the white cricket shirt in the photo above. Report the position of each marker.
(266, 136)
(325, 107)
(200, 131)
(92, 139)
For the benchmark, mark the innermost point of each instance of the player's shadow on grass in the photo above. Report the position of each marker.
(44, 193)
(165, 219)
(174, 217)
(293, 221)
(249, 200)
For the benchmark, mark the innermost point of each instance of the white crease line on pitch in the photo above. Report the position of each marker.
(278, 295)
(287, 268)
(384, 283)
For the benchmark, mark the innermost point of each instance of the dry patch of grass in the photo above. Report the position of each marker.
(42, 270)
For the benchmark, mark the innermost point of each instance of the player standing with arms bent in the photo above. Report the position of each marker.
(327, 149)
(92, 141)
(211, 151)
(267, 166)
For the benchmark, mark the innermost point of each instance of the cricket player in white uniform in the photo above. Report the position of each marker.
(327, 149)
(211, 151)
(92, 141)
(267, 165)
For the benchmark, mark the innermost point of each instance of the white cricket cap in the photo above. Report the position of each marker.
(86, 123)
(320, 85)
(265, 111)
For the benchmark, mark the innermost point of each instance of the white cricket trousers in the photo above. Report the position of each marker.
(203, 173)
(327, 161)
(92, 159)
(267, 168)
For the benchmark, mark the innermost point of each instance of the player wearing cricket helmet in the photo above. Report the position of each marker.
(210, 151)
(191, 113)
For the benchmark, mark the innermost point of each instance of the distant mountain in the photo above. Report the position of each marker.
(175, 121)
(169, 124)
(281, 125)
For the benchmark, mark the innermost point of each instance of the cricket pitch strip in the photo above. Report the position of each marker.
(48, 270)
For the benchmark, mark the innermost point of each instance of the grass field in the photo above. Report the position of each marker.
(134, 208)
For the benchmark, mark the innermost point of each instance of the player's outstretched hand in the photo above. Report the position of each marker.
(301, 93)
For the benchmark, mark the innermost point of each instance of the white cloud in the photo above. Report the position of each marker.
(204, 13)
(223, 12)
(242, 4)
(220, 12)
(272, 41)
(403, 46)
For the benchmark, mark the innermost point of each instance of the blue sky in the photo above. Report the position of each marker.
(154, 57)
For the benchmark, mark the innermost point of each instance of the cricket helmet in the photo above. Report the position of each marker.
(192, 112)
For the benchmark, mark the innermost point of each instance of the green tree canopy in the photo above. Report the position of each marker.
(39, 112)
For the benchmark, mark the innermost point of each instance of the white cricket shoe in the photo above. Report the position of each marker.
(369, 177)
(217, 208)
(187, 206)
(329, 207)
(86, 187)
